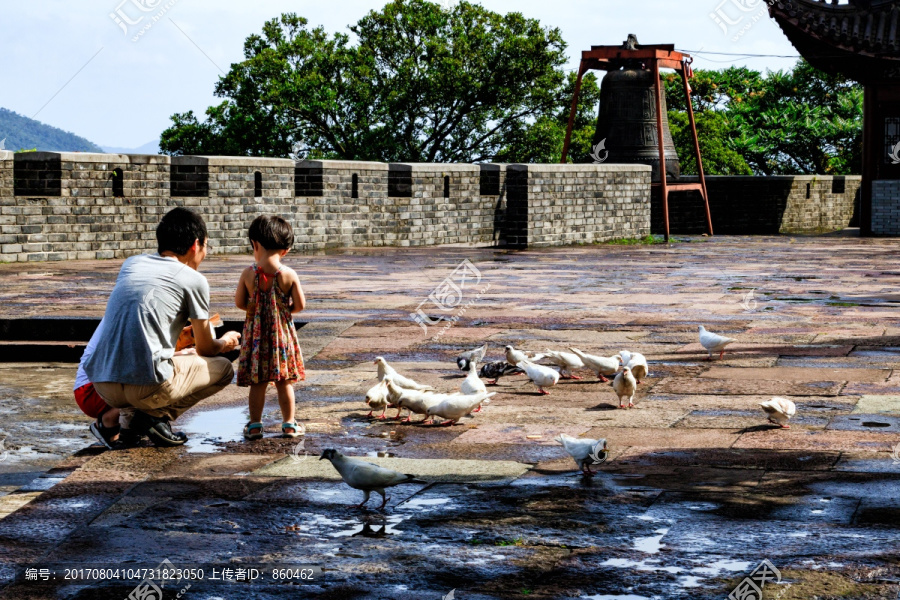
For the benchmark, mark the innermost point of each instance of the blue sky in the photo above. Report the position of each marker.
(71, 65)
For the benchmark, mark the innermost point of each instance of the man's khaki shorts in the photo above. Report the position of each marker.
(195, 378)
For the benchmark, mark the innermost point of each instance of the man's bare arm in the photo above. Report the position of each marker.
(207, 345)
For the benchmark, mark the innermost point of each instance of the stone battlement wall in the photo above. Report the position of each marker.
(64, 206)
(784, 204)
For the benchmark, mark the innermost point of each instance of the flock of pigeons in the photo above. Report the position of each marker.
(394, 390)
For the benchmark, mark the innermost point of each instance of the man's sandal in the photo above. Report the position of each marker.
(104, 434)
(253, 431)
(291, 434)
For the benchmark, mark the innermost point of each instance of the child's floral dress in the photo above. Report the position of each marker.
(269, 349)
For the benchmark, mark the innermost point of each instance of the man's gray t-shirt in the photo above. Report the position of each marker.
(151, 303)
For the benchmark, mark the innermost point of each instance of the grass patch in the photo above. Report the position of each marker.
(648, 240)
(513, 542)
(849, 304)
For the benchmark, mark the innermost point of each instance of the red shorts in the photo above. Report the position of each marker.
(90, 402)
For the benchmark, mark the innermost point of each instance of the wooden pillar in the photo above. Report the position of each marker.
(870, 155)
(664, 190)
(572, 113)
(690, 111)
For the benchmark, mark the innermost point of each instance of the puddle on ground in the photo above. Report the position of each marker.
(865, 422)
(652, 544)
(427, 504)
(690, 581)
(642, 565)
(316, 525)
(733, 566)
(42, 484)
(885, 353)
(207, 430)
(615, 597)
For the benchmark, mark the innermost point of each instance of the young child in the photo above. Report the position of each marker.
(270, 293)
(106, 427)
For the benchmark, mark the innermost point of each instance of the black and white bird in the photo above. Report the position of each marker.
(714, 342)
(465, 358)
(473, 384)
(585, 451)
(366, 476)
(495, 370)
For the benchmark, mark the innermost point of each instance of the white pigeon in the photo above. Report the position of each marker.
(637, 363)
(585, 451)
(714, 342)
(540, 375)
(396, 395)
(476, 355)
(514, 357)
(780, 411)
(385, 370)
(625, 385)
(365, 476)
(600, 365)
(566, 361)
(376, 398)
(473, 384)
(414, 401)
(454, 408)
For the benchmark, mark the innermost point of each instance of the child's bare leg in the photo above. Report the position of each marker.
(286, 401)
(110, 418)
(257, 401)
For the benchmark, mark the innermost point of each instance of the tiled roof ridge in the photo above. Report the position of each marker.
(872, 29)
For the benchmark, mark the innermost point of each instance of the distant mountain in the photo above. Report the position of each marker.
(21, 133)
(148, 148)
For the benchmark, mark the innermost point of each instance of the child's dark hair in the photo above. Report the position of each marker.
(178, 229)
(272, 232)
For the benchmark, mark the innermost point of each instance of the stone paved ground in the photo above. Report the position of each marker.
(698, 491)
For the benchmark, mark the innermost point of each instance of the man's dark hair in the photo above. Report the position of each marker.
(272, 232)
(178, 229)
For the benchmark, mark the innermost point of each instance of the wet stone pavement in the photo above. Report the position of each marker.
(698, 491)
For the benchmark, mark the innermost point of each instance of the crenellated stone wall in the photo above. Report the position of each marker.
(578, 204)
(785, 204)
(64, 206)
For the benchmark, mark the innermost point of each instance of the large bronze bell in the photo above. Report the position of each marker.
(626, 125)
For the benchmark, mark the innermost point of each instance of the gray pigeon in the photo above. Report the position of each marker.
(365, 476)
(496, 370)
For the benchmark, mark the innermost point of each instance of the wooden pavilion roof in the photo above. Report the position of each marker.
(860, 39)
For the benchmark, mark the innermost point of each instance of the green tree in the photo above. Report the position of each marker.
(422, 84)
(541, 141)
(784, 122)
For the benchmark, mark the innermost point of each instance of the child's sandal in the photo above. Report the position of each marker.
(253, 431)
(291, 434)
